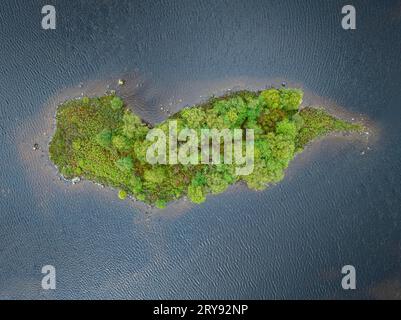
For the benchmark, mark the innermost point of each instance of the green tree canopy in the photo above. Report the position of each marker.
(125, 164)
(290, 99)
(121, 143)
(155, 175)
(116, 103)
(103, 138)
(122, 194)
(271, 98)
(196, 194)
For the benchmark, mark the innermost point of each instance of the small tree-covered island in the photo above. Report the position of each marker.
(102, 140)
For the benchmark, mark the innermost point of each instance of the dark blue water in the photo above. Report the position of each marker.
(336, 206)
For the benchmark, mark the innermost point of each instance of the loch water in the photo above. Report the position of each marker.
(339, 204)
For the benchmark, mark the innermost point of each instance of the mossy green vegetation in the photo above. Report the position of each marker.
(122, 194)
(100, 139)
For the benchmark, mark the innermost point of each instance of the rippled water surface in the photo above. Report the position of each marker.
(339, 204)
